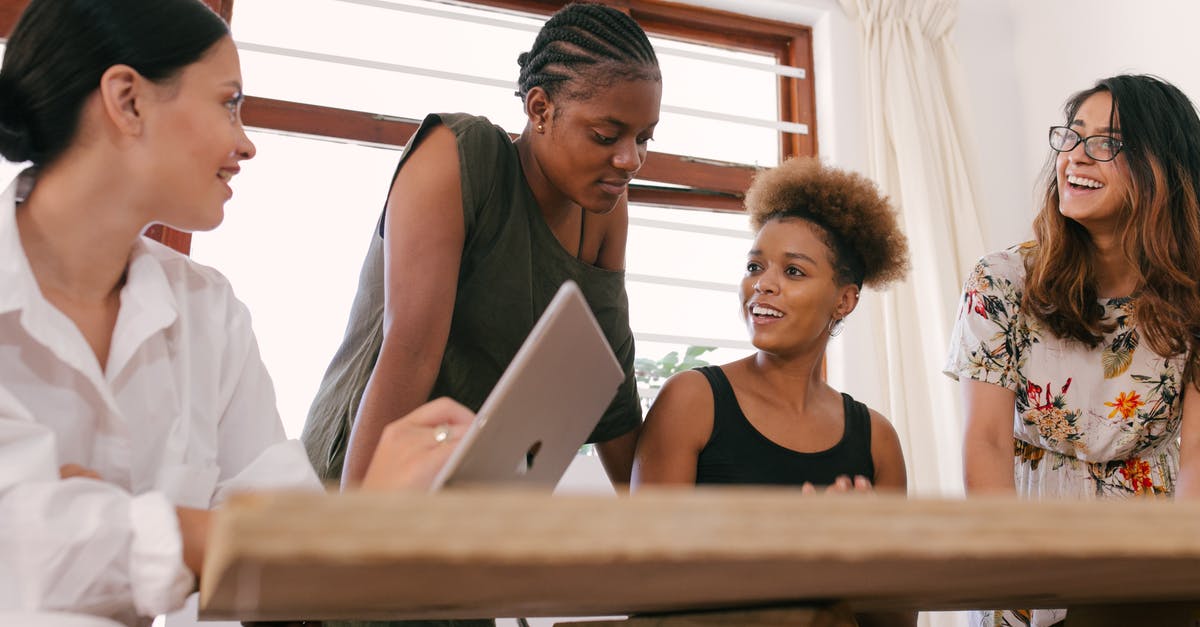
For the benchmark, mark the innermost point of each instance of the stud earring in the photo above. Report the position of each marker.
(541, 128)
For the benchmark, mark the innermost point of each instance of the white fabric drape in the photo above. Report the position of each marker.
(919, 154)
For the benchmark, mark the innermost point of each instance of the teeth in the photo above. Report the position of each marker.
(1084, 182)
(224, 176)
(759, 310)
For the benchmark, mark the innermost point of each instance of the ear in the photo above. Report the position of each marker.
(123, 92)
(539, 109)
(847, 301)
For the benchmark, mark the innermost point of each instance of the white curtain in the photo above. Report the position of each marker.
(920, 155)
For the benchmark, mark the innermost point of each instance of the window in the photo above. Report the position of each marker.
(331, 106)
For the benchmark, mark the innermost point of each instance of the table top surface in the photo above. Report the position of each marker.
(495, 553)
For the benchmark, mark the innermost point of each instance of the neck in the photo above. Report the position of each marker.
(1115, 276)
(796, 380)
(556, 208)
(77, 229)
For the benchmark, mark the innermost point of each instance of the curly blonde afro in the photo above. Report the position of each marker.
(857, 221)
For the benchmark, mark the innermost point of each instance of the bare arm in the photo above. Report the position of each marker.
(890, 472)
(1189, 449)
(617, 457)
(677, 428)
(424, 234)
(193, 530)
(988, 439)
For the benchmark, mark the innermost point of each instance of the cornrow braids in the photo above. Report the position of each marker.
(585, 40)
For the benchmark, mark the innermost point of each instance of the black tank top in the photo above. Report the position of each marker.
(737, 453)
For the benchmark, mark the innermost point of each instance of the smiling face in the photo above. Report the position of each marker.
(790, 292)
(195, 140)
(589, 149)
(1092, 192)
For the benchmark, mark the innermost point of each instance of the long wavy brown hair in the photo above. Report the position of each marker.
(1160, 227)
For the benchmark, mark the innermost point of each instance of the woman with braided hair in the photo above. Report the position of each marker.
(478, 233)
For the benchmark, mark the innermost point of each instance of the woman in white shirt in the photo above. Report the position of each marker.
(132, 395)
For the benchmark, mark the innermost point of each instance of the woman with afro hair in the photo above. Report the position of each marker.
(771, 418)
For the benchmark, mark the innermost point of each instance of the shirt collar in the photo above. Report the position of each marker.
(15, 274)
(148, 302)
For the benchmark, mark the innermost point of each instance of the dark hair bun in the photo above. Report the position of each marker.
(16, 140)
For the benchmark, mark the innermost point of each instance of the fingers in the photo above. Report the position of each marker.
(414, 448)
(439, 411)
(67, 471)
(842, 485)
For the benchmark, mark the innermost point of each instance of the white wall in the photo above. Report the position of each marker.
(1024, 58)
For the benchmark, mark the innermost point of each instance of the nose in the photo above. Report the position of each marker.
(629, 156)
(1078, 153)
(245, 148)
(764, 285)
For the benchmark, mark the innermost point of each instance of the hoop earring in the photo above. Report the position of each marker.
(836, 326)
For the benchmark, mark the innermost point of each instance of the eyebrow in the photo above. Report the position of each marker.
(622, 125)
(1102, 129)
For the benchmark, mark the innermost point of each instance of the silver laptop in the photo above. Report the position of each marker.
(545, 405)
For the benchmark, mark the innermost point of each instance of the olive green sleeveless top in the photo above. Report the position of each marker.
(512, 265)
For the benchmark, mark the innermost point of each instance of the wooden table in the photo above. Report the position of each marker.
(465, 554)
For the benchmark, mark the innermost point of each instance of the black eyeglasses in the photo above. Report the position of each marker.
(1098, 147)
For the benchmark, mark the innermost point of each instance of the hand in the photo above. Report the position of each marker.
(414, 448)
(843, 484)
(68, 471)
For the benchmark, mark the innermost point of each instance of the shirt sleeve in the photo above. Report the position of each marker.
(79, 544)
(984, 345)
(253, 452)
(625, 412)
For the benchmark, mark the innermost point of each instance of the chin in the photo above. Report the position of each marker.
(761, 343)
(600, 208)
(199, 223)
(597, 203)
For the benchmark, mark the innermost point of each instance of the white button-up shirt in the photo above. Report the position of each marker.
(183, 414)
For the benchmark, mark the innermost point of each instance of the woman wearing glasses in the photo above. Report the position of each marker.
(1076, 352)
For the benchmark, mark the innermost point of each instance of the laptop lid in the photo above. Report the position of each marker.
(544, 406)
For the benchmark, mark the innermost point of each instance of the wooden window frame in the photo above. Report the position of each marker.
(708, 184)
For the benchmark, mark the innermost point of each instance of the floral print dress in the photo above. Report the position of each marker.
(1089, 423)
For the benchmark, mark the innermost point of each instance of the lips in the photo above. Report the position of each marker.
(614, 187)
(1083, 182)
(763, 314)
(225, 175)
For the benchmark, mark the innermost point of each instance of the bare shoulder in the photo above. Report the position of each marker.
(881, 428)
(683, 407)
(686, 390)
(436, 150)
(677, 428)
(426, 185)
